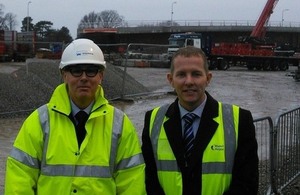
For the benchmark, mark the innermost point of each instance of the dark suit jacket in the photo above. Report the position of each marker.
(245, 170)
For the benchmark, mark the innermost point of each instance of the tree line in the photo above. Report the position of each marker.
(45, 31)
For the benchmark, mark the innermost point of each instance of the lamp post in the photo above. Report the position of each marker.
(28, 15)
(174, 2)
(282, 18)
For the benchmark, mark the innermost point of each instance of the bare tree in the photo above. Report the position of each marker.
(90, 21)
(1, 9)
(11, 21)
(2, 19)
(7, 21)
(104, 19)
(111, 19)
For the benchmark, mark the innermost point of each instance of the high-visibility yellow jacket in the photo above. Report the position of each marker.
(45, 158)
(218, 157)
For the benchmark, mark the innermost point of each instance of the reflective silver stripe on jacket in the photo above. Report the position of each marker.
(117, 131)
(79, 170)
(166, 165)
(25, 158)
(230, 143)
(45, 124)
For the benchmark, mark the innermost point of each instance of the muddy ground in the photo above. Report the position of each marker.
(263, 93)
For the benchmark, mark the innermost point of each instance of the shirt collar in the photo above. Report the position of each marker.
(197, 111)
(75, 109)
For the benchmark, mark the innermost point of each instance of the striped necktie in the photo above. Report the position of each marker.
(188, 137)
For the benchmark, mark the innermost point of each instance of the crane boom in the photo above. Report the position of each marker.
(259, 30)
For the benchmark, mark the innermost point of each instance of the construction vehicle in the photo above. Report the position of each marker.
(253, 52)
(183, 40)
(16, 46)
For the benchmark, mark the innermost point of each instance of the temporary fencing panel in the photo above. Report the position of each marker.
(138, 55)
(287, 149)
(264, 131)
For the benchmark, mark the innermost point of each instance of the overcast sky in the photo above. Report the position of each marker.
(68, 13)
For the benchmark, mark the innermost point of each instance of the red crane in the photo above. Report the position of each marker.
(254, 51)
(259, 29)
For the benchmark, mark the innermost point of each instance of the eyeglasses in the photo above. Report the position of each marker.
(77, 71)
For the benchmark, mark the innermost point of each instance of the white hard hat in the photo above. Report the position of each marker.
(82, 51)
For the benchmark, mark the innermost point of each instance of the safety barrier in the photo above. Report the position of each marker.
(136, 55)
(264, 131)
(278, 150)
(286, 148)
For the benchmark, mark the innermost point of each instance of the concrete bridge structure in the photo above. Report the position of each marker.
(217, 31)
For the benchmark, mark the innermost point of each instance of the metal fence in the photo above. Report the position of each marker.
(279, 151)
(136, 55)
(286, 148)
(264, 131)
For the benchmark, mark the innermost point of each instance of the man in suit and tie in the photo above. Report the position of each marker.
(197, 145)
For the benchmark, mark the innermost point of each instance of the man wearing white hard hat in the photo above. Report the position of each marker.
(77, 143)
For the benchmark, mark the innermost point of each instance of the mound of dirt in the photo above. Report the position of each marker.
(32, 86)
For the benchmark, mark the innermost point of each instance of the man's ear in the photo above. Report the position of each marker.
(63, 75)
(101, 75)
(209, 76)
(170, 78)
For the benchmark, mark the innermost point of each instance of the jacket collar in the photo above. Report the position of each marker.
(205, 131)
(60, 100)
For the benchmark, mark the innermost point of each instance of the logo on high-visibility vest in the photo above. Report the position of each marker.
(217, 147)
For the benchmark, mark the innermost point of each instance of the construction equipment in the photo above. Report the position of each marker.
(253, 52)
(183, 40)
(16, 46)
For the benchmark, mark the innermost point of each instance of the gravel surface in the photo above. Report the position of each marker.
(25, 88)
(31, 86)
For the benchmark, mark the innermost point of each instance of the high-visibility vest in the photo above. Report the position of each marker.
(218, 157)
(45, 158)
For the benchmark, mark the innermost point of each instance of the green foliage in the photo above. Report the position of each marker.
(42, 28)
(45, 32)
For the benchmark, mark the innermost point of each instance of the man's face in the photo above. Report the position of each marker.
(82, 82)
(189, 79)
